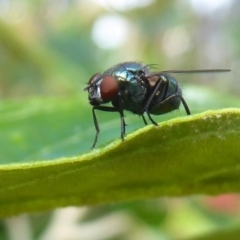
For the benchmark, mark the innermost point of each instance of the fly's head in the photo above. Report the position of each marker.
(101, 89)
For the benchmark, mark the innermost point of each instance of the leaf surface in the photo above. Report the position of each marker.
(184, 156)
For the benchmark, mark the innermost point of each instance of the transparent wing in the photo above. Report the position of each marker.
(191, 71)
(154, 76)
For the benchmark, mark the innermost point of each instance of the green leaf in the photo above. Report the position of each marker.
(190, 155)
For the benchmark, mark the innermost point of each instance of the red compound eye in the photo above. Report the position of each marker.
(108, 88)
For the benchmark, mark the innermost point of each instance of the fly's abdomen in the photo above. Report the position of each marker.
(168, 102)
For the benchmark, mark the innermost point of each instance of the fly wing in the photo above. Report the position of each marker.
(197, 71)
(191, 71)
(154, 76)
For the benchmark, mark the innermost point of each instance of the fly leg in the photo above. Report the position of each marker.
(144, 120)
(185, 105)
(151, 119)
(106, 109)
(174, 97)
(149, 100)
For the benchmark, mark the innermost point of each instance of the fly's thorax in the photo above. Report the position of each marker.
(133, 92)
(127, 67)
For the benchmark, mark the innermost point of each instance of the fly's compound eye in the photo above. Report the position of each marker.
(108, 88)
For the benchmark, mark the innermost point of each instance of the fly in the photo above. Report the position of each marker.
(132, 86)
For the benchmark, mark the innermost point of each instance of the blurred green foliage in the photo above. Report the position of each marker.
(48, 48)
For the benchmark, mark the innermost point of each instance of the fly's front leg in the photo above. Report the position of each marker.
(123, 125)
(107, 109)
(96, 126)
